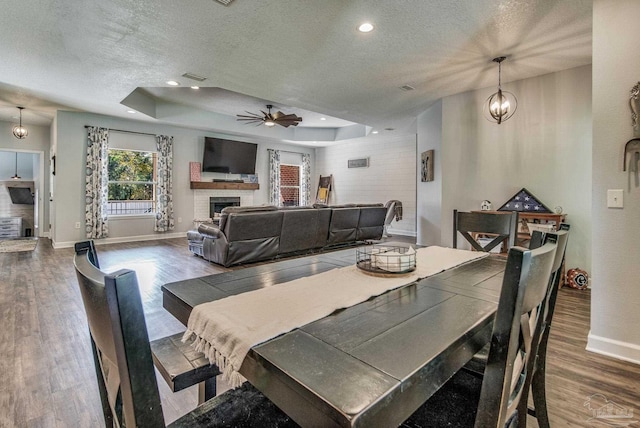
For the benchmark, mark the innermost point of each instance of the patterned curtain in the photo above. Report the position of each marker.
(96, 193)
(164, 188)
(274, 177)
(305, 184)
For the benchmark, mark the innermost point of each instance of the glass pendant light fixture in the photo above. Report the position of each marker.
(501, 105)
(19, 131)
(16, 176)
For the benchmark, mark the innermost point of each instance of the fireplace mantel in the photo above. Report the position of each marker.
(225, 185)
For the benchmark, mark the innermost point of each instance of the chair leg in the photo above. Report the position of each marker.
(538, 391)
(106, 407)
(207, 390)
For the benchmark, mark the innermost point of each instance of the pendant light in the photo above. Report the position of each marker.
(16, 176)
(19, 131)
(501, 105)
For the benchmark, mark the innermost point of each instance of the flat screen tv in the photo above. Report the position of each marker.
(231, 157)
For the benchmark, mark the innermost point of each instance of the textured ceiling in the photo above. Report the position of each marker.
(304, 54)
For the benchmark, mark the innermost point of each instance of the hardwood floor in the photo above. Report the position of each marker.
(48, 379)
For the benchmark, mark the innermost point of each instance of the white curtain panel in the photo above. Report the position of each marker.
(96, 183)
(164, 187)
(274, 177)
(305, 184)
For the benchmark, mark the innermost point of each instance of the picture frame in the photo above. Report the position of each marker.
(426, 162)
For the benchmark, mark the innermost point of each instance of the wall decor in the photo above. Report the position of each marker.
(194, 171)
(358, 163)
(524, 201)
(427, 165)
(634, 105)
(53, 165)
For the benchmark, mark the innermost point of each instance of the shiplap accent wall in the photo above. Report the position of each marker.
(391, 174)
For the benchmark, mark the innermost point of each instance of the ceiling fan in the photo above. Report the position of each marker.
(271, 119)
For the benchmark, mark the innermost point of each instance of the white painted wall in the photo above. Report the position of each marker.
(391, 174)
(8, 165)
(616, 234)
(70, 141)
(429, 194)
(544, 147)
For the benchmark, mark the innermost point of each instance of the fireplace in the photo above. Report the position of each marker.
(216, 204)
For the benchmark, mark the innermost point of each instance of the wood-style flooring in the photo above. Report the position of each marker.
(46, 367)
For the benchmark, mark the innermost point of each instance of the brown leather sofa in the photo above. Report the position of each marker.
(249, 234)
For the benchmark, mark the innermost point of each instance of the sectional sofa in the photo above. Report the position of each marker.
(249, 234)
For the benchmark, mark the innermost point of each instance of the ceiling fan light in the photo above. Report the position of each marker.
(19, 131)
(269, 123)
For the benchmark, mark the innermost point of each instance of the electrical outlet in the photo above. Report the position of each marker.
(179, 219)
(77, 225)
(614, 198)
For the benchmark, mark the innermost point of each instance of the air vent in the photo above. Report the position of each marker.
(407, 88)
(195, 76)
(224, 2)
(389, 129)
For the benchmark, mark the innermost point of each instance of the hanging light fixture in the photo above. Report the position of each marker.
(501, 105)
(16, 176)
(19, 131)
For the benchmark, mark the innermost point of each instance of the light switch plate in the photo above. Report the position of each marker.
(615, 198)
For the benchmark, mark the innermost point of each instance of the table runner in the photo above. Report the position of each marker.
(226, 329)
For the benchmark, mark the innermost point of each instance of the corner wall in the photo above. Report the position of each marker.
(616, 234)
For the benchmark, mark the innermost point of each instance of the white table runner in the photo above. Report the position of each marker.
(226, 329)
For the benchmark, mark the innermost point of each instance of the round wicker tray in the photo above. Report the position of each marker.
(386, 260)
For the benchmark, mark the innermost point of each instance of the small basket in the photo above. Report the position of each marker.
(386, 259)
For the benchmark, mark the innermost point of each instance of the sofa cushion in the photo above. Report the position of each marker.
(253, 225)
(224, 214)
(299, 228)
(343, 225)
(371, 222)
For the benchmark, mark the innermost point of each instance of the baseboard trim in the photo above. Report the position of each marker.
(122, 239)
(624, 351)
(392, 232)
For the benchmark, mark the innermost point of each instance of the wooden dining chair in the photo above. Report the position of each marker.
(494, 400)
(502, 227)
(536, 378)
(124, 366)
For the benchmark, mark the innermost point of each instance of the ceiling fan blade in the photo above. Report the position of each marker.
(287, 123)
(290, 117)
(250, 115)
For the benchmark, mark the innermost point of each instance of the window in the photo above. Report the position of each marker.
(290, 185)
(132, 182)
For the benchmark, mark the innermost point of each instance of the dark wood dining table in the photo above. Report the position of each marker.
(369, 365)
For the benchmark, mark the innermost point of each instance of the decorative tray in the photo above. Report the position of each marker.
(386, 259)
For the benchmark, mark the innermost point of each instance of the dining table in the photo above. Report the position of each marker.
(368, 365)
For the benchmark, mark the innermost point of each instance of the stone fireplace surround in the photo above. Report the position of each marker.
(201, 201)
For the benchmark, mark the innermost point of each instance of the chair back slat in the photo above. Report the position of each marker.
(522, 299)
(117, 326)
(502, 225)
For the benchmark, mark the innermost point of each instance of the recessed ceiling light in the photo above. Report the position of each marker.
(195, 87)
(323, 118)
(172, 83)
(365, 27)
(131, 111)
(374, 132)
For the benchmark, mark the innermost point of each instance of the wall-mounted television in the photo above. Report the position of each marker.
(228, 156)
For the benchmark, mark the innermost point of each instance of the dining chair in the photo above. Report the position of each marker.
(494, 400)
(124, 366)
(536, 378)
(500, 226)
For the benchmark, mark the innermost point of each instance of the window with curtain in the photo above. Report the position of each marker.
(132, 182)
(290, 185)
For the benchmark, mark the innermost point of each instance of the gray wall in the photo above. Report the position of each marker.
(616, 233)
(544, 147)
(68, 204)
